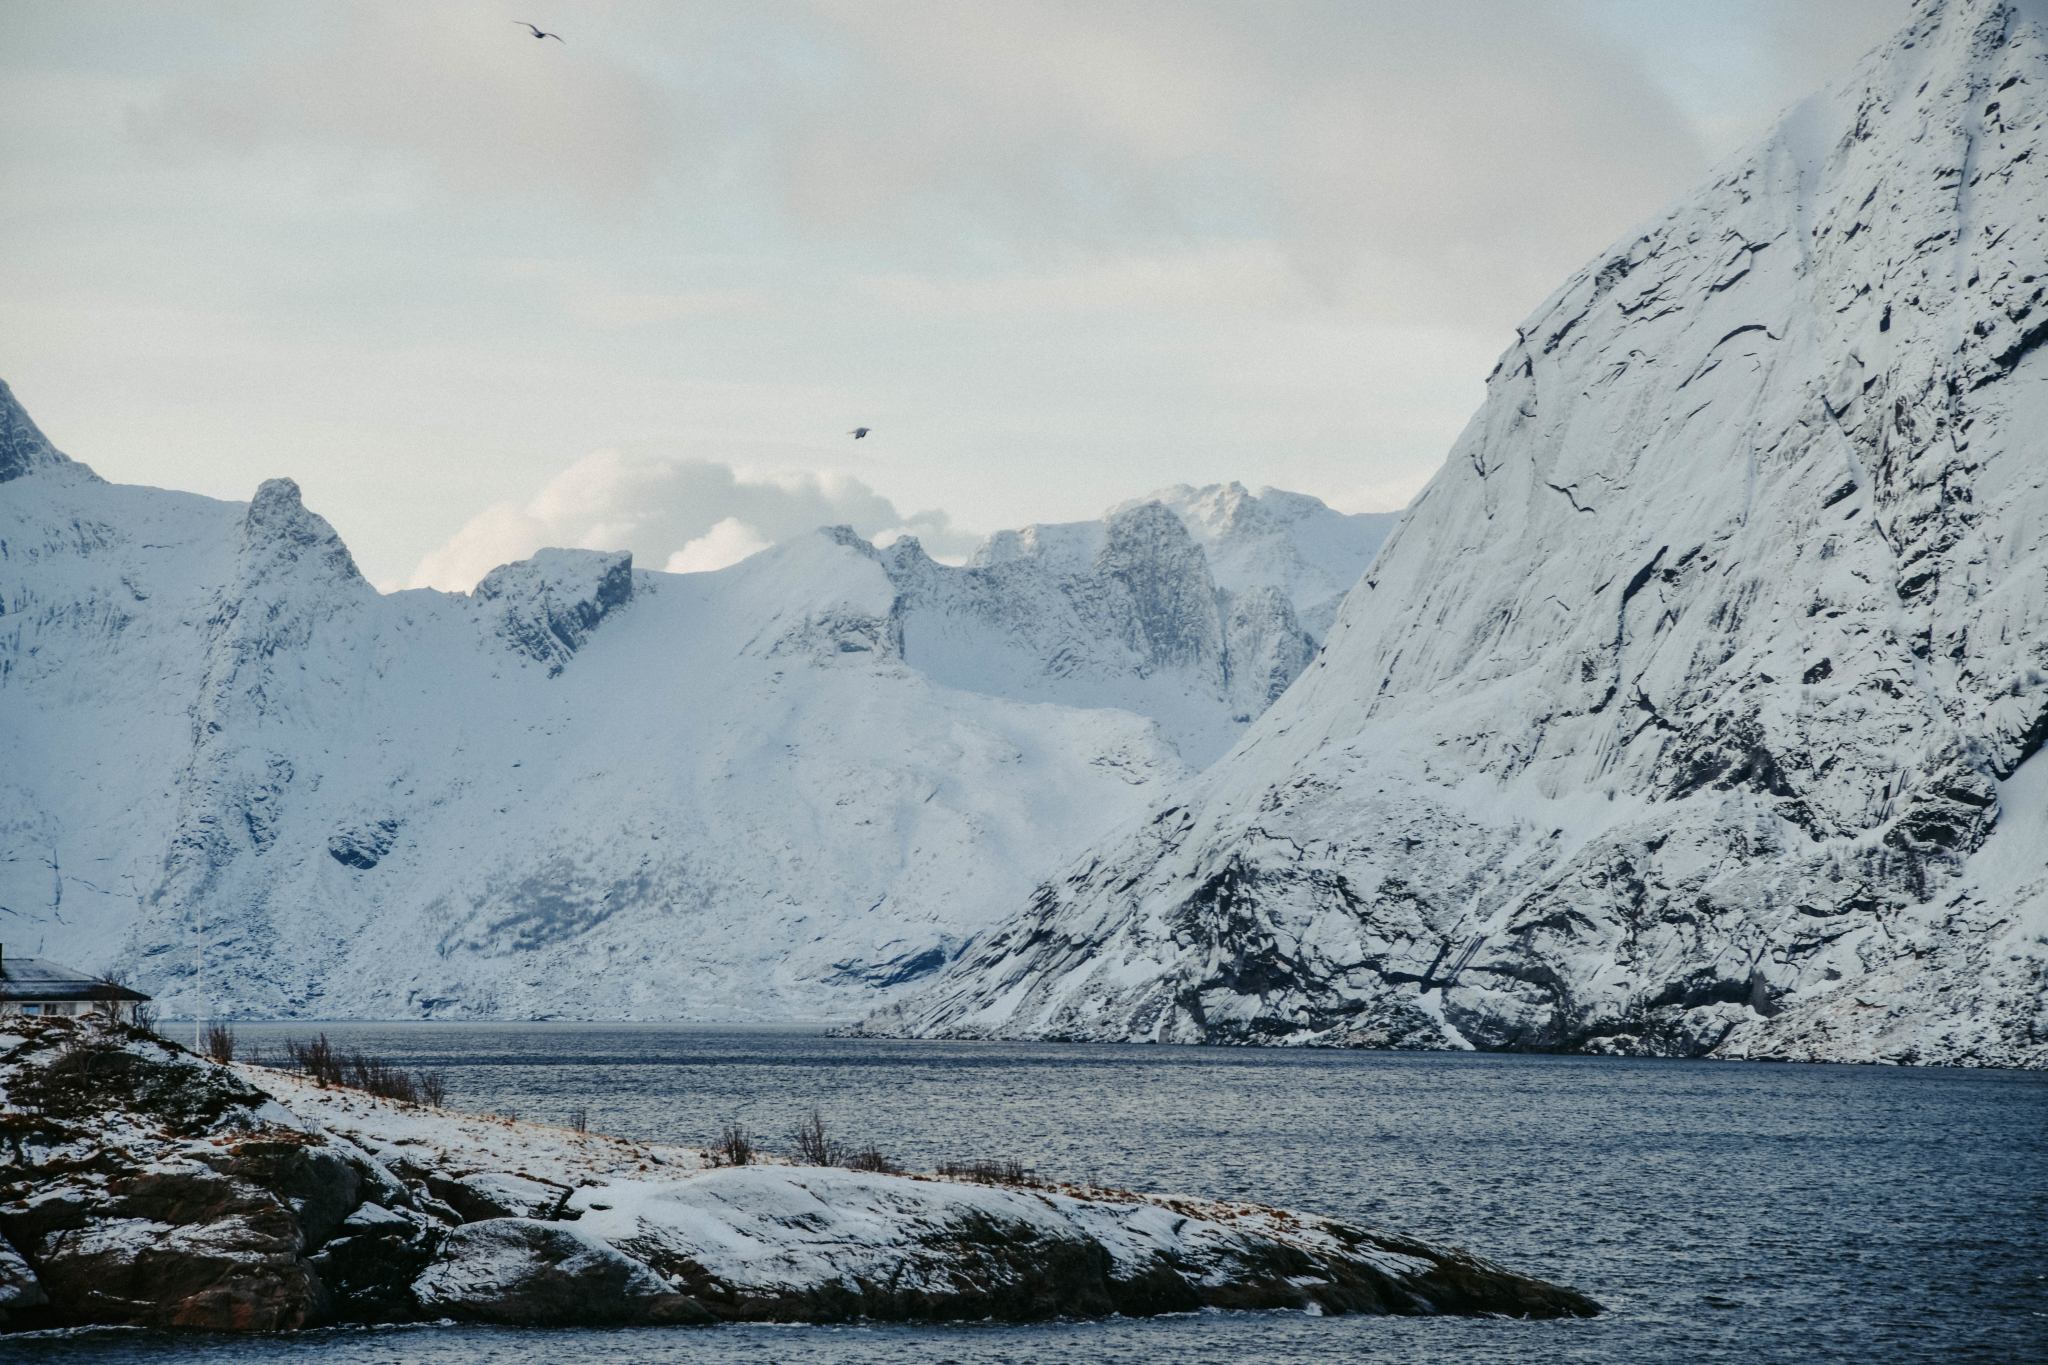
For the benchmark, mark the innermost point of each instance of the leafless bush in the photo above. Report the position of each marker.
(814, 1146)
(870, 1158)
(328, 1065)
(218, 1042)
(381, 1079)
(817, 1147)
(316, 1059)
(987, 1172)
(110, 987)
(579, 1119)
(735, 1146)
(434, 1088)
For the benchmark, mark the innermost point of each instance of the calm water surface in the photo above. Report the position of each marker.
(1721, 1211)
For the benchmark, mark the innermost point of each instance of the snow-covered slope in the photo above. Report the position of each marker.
(584, 790)
(1696, 705)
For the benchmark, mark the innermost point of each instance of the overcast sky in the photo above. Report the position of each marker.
(479, 293)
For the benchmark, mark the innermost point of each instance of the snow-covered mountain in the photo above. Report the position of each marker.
(584, 790)
(1274, 539)
(1696, 706)
(1196, 607)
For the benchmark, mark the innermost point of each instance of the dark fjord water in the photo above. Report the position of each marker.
(1722, 1211)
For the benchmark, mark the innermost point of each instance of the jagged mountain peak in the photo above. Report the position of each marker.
(25, 450)
(1219, 507)
(546, 606)
(1290, 541)
(283, 541)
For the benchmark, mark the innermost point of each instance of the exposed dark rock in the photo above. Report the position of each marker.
(362, 845)
(495, 1194)
(547, 606)
(23, 447)
(528, 1273)
(147, 1187)
(19, 1287)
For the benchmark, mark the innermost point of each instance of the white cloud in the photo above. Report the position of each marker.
(688, 515)
(450, 85)
(1483, 145)
(728, 542)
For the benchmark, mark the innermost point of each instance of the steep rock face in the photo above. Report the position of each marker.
(1695, 706)
(25, 450)
(546, 606)
(290, 607)
(1118, 613)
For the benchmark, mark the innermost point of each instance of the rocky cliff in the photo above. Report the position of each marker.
(1695, 706)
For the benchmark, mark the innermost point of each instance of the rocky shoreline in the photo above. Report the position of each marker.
(141, 1185)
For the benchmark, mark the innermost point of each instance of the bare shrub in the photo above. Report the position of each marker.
(579, 1119)
(434, 1088)
(814, 1146)
(377, 1077)
(870, 1158)
(109, 987)
(983, 1171)
(327, 1065)
(735, 1146)
(218, 1042)
(317, 1059)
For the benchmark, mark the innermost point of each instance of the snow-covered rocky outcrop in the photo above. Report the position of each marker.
(1696, 706)
(141, 1185)
(583, 790)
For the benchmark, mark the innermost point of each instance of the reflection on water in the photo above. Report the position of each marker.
(1724, 1211)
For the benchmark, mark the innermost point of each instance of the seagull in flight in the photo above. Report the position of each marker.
(538, 34)
(858, 432)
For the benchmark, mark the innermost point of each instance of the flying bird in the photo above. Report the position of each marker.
(858, 432)
(538, 34)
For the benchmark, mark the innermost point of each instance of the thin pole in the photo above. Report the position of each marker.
(198, 974)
